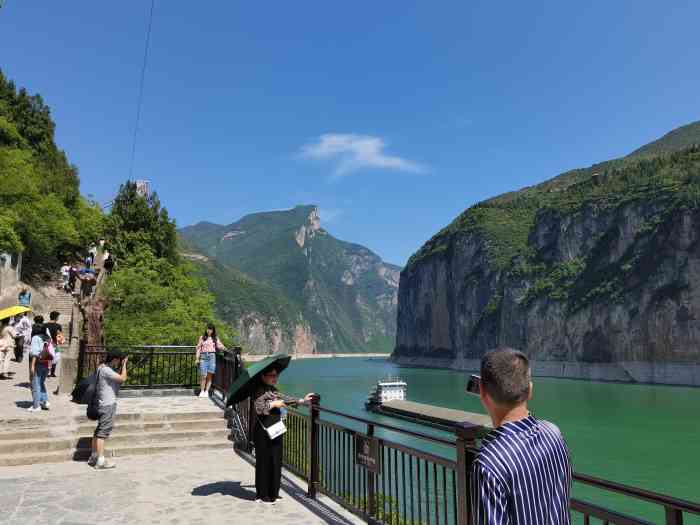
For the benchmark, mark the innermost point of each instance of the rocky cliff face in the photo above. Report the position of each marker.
(289, 285)
(266, 336)
(597, 266)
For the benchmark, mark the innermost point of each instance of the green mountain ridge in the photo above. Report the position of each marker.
(297, 283)
(595, 265)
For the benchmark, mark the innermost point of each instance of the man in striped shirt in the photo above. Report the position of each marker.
(522, 474)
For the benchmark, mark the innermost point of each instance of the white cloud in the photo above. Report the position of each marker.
(354, 152)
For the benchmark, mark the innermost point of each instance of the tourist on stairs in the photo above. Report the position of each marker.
(41, 357)
(205, 357)
(108, 384)
(65, 273)
(270, 409)
(25, 297)
(23, 337)
(7, 345)
(56, 332)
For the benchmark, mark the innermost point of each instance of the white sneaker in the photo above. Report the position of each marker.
(106, 464)
(46, 406)
(32, 409)
(203, 393)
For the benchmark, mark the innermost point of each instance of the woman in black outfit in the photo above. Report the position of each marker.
(269, 405)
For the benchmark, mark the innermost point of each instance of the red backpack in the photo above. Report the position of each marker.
(47, 352)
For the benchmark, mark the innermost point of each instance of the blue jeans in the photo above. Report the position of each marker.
(39, 395)
(207, 363)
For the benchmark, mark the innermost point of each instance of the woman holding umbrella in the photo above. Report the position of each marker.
(259, 382)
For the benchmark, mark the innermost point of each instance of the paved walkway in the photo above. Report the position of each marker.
(202, 487)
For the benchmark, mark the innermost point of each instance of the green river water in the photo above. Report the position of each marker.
(642, 435)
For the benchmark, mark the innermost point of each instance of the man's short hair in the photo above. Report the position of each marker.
(114, 354)
(505, 375)
(54, 315)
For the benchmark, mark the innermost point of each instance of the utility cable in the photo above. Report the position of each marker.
(140, 97)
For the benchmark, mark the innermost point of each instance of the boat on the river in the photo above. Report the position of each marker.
(388, 389)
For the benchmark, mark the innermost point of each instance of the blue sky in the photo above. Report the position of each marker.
(393, 117)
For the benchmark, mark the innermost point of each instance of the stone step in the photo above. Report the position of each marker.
(120, 428)
(43, 420)
(83, 454)
(51, 444)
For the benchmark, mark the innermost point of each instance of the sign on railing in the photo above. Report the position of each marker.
(367, 452)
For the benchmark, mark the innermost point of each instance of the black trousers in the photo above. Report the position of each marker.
(268, 463)
(19, 348)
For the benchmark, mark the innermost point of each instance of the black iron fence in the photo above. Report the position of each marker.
(165, 366)
(409, 486)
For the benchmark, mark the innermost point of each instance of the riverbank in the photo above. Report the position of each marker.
(679, 374)
(260, 357)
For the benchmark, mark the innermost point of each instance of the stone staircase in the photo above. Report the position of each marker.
(62, 302)
(43, 440)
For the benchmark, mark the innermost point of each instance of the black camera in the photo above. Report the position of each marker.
(473, 386)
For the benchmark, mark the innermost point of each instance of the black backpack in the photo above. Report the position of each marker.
(85, 393)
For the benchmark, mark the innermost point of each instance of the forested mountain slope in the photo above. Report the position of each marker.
(597, 265)
(281, 274)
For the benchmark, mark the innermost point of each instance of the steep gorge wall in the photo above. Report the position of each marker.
(626, 289)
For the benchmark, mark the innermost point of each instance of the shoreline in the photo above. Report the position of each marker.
(260, 357)
(630, 372)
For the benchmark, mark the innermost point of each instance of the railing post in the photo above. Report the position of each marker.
(81, 359)
(371, 483)
(236, 362)
(466, 443)
(150, 368)
(674, 516)
(314, 448)
(251, 423)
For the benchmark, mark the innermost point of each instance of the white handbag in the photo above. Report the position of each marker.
(276, 430)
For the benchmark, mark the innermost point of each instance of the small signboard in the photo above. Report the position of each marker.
(367, 452)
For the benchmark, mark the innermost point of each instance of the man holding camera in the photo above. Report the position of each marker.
(522, 474)
(108, 384)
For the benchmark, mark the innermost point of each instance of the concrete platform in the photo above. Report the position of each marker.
(195, 487)
(440, 417)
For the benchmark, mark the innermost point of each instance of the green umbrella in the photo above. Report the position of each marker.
(243, 386)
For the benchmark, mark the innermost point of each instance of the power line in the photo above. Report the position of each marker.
(140, 98)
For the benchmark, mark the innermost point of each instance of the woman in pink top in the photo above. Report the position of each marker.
(206, 357)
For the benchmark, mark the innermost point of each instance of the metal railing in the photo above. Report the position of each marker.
(411, 486)
(228, 364)
(165, 366)
(149, 366)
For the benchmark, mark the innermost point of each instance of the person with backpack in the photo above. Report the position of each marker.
(41, 357)
(108, 382)
(56, 333)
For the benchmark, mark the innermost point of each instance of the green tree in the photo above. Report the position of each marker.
(155, 301)
(137, 222)
(42, 212)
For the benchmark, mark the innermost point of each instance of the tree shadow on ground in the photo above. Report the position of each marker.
(225, 488)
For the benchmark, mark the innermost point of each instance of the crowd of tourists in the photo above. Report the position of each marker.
(41, 343)
(81, 281)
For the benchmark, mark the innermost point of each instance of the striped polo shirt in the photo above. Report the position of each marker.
(522, 476)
